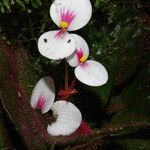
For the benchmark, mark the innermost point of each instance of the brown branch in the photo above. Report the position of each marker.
(110, 131)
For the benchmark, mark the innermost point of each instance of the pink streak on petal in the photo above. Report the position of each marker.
(84, 65)
(79, 53)
(67, 15)
(41, 102)
(62, 14)
(60, 33)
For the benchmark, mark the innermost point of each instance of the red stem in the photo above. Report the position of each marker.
(66, 75)
(73, 83)
(69, 89)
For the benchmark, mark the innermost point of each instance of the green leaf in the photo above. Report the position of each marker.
(36, 3)
(27, 1)
(2, 9)
(7, 4)
(21, 3)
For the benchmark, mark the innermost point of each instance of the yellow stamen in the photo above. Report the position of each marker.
(83, 59)
(63, 24)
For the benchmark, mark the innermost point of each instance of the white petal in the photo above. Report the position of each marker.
(68, 119)
(44, 88)
(54, 47)
(73, 60)
(91, 73)
(80, 44)
(81, 8)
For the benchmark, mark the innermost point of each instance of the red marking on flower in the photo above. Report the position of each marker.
(79, 53)
(41, 102)
(81, 57)
(84, 129)
(65, 94)
(67, 15)
(60, 33)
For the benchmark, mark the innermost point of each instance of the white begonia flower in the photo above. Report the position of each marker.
(68, 115)
(56, 48)
(89, 72)
(71, 14)
(43, 94)
(68, 120)
(68, 15)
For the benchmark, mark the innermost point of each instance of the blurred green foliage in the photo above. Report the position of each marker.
(6, 5)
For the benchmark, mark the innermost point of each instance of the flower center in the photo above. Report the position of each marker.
(64, 24)
(66, 17)
(83, 58)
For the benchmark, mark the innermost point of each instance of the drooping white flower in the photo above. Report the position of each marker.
(43, 94)
(89, 72)
(68, 115)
